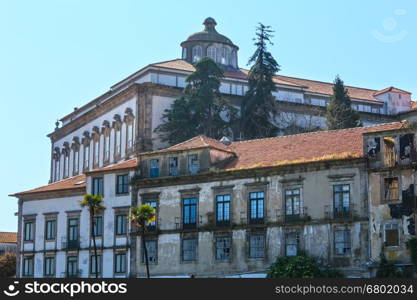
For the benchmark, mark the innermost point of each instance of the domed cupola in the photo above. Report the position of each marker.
(210, 43)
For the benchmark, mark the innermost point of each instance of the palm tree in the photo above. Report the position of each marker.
(141, 216)
(94, 204)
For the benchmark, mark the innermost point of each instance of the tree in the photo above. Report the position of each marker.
(202, 110)
(339, 113)
(94, 203)
(8, 265)
(141, 216)
(299, 266)
(258, 108)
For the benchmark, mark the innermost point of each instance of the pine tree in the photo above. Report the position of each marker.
(202, 111)
(339, 112)
(258, 108)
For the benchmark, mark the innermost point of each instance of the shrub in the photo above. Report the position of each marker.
(387, 269)
(8, 265)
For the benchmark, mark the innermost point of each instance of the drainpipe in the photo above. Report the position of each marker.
(19, 237)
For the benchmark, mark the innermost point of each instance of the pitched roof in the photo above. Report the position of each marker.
(391, 89)
(128, 164)
(8, 237)
(312, 86)
(72, 183)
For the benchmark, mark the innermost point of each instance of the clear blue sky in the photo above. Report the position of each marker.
(56, 55)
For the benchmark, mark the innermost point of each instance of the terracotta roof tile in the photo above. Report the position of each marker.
(76, 182)
(414, 105)
(128, 164)
(8, 237)
(391, 89)
(198, 142)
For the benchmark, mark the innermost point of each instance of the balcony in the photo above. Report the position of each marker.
(76, 274)
(71, 245)
(343, 213)
(302, 216)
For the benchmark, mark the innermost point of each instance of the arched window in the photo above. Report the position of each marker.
(129, 119)
(184, 53)
(76, 156)
(57, 158)
(106, 147)
(211, 52)
(225, 56)
(66, 153)
(86, 147)
(197, 53)
(96, 147)
(117, 125)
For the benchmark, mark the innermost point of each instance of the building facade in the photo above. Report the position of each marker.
(109, 147)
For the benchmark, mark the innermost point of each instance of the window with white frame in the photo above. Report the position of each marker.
(197, 53)
(96, 150)
(107, 146)
(189, 249)
(130, 134)
(257, 245)
(76, 161)
(28, 266)
(292, 240)
(49, 266)
(95, 268)
(342, 242)
(86, 164)
(50, 229)
(120, 262)
(223, 247)
(118, 141)
(121, 224)
(29, 230)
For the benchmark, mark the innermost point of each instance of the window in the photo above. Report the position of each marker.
(390, 153)
(130, 135)
(28, 231)
(189, 206)
(72, 266)
(391, 189)
(50, 229)
(66, 165)
(197, 53)
(256, 207)
(257, 246)
(154, 170)
(391, 235)
(154, 205)
(118, 145)
(86, 157)
(211, 52)
(93, 270)
(121, 224)
(76, 162)
(98, 186)
(97, 226)
(120, 262)
(292, 203)
(223, 209)
(122, 184)
(193, 164)
(342, 242)
(57, 170)
(49, 267)
(96, 151)
(72, 233)
(173, 166)
(152, 251)
(107, 147)
(189, 249)
(291, 243)
(341, 200)
(223, 247)
(28, 266)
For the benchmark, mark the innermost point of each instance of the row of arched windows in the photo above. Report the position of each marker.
(220, 54)
(96, 146)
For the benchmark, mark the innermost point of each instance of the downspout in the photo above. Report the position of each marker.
(19, 238)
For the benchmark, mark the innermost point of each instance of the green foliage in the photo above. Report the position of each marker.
(202, 111)
(387, 269)
(412, 247)
(8, 265)
(339, 112)
(300, 266)
(258, 108)
(93, 202)
(141, 215)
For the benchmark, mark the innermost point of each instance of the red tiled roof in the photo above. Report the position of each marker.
(391, 89)
(8, 237)
(413, 104)
(72, 183)
(128, 164)
(198, 142)
(306, 147)
(312, 86)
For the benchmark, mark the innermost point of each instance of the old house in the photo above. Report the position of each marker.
(8, 241)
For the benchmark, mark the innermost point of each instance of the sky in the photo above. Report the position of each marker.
(59, 54)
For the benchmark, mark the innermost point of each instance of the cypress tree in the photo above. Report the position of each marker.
(339, 113)
(258, 108)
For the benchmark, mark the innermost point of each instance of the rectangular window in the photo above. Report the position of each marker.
(28, 266)
(154, 168)
(93, 269)
(72, 267)
(341, 200)
(50, 229)
(292, 240)
(120, 262)
(96, 152)
(86, 157)
(122, 184)
(189, 206)
(154, 205)
(107, 147)
(121, 224)
(130, 135)
(98, 185)
(392, 237)
(152, 251)
(57, 162)
(292, 203)
(97, 226)
(189, 249)
(257, 246)
(72, 233)
(76, 162)
(173, 166)
(342, 242)
(28, 231)
(223, 248)
(391, 189)
(118, 149)
(256, 207)
(223, 209)
(66, 165)
(49, 268)
(193, 164)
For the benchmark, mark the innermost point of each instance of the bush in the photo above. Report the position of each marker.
(8, 265)
(387, 269)
(300, 266)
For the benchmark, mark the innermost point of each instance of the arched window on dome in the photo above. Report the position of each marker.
(225, 58)
(211, 52)
(197, 53)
